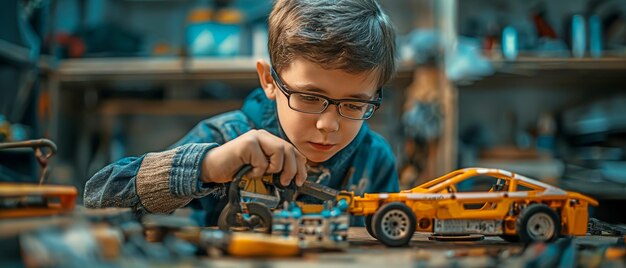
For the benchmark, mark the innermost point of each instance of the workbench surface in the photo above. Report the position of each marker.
(365, 251)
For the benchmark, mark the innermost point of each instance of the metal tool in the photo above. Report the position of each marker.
(171, 230)
(243, 216)
(319, 191)
(597, 227)
(26, 199)
(42, 157)
(242, 244)
(250, 200)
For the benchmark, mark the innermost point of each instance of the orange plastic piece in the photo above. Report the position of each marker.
(56, 199)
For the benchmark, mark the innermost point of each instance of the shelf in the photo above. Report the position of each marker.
(156, 69)
(563, 64)
(174, 68)
(21, 55)
(564, 73)
(542, 169)
(551, 171)
(14, 52)
(600, 190)
(167, 107)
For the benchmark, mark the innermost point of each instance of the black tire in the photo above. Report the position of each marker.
(394, 224)
(264, 216)
(368, 225)
(538, 223)
(260, 218)
(510, 238)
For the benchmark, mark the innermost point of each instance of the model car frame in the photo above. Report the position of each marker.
(515, 208)
(316, 226)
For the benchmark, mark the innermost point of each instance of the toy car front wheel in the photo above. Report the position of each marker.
(538, 223)
(394, 224)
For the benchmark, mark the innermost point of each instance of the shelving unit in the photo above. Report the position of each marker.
(510, 101)
(568, 81)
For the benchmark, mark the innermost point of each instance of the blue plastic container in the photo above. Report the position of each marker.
(220, 37)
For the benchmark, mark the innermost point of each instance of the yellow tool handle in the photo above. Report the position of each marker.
(262, 245)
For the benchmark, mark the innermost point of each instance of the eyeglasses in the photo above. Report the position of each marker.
(312, 103)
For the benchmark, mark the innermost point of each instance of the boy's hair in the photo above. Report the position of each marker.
(351, 35)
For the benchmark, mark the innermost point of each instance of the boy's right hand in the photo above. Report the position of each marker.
(266, 153)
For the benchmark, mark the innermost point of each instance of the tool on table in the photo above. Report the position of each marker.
(36, 145)
(250, 200)
(316, 226)
(170, 230)
(242, 244)
(254, 215)
(27, 199)
(597, 227)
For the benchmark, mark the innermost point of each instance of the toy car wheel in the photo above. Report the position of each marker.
(369, 220)
(394, 224)
(538, 223)
(259, 218)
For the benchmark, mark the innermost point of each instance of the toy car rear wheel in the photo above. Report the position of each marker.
(394, 224)
(538, 223)
(369, 221)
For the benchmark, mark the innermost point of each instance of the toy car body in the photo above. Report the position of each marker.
(514, 208)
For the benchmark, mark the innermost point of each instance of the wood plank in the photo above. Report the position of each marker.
(168, 107)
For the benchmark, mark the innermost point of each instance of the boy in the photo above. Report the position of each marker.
(329, 60)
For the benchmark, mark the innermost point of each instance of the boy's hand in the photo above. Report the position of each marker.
(266, 153)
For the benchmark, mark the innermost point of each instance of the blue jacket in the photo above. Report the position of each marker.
(161, 182)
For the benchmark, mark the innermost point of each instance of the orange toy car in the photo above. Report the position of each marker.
(513, 207)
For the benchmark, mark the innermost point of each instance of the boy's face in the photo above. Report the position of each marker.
(320, 136)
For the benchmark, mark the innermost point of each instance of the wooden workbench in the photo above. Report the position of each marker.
(365, 251)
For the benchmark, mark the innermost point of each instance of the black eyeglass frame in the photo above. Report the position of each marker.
(285, 90)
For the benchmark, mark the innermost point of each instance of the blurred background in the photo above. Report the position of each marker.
(536, 87)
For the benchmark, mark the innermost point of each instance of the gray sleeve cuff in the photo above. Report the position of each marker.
(153, 183)
(169, 180)
(185, 172)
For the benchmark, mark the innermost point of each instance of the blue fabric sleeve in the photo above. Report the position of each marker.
(114, 186)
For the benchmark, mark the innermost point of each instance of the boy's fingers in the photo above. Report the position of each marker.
(271, 154)
(276, 158)
(301, 174)
(257, 160)
(274, 148)
(289, 168)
